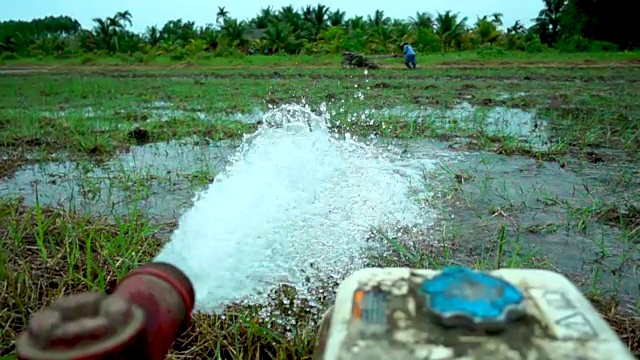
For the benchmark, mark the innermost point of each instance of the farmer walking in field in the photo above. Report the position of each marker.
(409, 56)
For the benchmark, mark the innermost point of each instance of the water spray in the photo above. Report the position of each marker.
(378, 313)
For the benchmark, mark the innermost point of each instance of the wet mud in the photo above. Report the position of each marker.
(579, 218)
(157, 179)
(260, 73)
(579, 215)
(463, 116)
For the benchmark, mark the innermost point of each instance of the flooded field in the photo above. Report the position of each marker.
(534, 167)
(158, 178)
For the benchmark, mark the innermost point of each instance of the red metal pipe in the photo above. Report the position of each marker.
(149, 309)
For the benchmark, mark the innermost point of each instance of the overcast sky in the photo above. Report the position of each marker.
(157, 12)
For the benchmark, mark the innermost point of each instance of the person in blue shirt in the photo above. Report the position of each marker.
(409, 56)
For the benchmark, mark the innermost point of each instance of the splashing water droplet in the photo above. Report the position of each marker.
(293, 195)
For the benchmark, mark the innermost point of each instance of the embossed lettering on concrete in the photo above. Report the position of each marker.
(565, 319)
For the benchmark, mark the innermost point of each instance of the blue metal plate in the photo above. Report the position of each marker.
(478, 299)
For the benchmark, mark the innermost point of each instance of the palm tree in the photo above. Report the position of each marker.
(152, 35)
(291, 17)
(317, 19)
(278, 36)
(336, 18)
(114, 26)
(496, 18)
(449, 28)
(547, 24)
(107, 30)
(118, 22)
(222, 15)
(400, 29)
(210, 36)
(378, 19)
(515, 36)
(103, 32)
(486, 31)
(380, 39)
(264, 18)
(517, 28)
(235, 33)
(422, 20)
(124, 17)
(356, 23)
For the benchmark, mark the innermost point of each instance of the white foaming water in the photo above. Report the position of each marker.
(295, 206)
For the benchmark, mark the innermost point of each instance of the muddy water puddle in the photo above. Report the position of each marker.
(548, 213)
(158, 179)
(158, 111)
(544, 207)
(20, 71)
(523, 125)
(164, 111)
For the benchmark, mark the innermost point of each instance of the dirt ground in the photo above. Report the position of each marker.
(208, 332)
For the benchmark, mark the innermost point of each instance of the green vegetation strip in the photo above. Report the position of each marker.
(589, 100)
(562, 26)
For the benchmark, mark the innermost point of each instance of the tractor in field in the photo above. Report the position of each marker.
(356, 60)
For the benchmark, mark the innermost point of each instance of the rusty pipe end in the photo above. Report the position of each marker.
(167, 297)
(170, 275)
(149, 308)
(84, 326)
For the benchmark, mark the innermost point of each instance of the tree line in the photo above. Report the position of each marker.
(564, 25)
